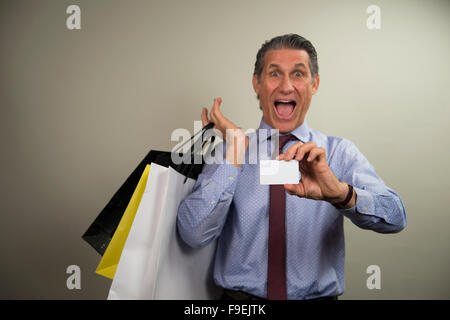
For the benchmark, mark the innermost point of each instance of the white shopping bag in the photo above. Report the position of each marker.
(155, 263)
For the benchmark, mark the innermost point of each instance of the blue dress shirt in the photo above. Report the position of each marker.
(230, 203)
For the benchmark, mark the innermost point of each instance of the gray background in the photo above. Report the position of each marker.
(80, 109)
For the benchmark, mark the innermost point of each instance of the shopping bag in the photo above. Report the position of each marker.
(108, 263)
(102, 229)
(155, 262)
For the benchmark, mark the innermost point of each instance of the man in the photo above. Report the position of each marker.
(285, 242)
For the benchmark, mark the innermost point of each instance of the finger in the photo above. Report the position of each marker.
(205, 120)
(292, 151)
(290, 188)
(303, 150)
(294, 189)
(216, 114)
(216, 106)
(316, 153)
(281, 156)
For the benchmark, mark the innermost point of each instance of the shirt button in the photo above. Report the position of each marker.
(230, 178)
(385, 217)
(212, 202)
(364, 209)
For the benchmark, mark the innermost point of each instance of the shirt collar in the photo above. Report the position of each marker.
(302, 132)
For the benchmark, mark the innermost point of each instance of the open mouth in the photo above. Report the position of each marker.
(284, 108)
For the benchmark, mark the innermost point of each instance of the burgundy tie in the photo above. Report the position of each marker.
(276, 271)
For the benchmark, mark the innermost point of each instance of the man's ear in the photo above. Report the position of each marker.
(316, 83)
(256, 84)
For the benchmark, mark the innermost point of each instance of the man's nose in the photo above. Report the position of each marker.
(286, 85)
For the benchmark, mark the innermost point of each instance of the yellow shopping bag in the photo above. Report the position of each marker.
(108, 264)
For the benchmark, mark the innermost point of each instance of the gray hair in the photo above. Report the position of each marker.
(287, 41)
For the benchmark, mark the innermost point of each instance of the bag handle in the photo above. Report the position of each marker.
(187, 171)
(202, 131)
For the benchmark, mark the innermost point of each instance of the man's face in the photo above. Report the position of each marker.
(285, 88)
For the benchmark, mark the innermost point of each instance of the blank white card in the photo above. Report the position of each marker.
(279, 172)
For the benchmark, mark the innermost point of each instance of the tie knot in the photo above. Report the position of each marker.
(284, 139)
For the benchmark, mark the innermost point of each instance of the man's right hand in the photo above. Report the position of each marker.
(237, 142)
(220, 122)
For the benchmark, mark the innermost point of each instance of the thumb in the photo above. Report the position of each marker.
(290, 188)
(205, 120)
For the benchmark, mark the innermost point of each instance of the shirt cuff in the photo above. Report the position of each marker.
(365, 205)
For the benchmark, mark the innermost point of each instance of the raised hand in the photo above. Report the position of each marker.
(237, 143)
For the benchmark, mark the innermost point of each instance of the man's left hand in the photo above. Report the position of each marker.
(317, 182)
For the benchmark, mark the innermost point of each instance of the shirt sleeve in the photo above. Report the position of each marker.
(378, 207)
(201, 216)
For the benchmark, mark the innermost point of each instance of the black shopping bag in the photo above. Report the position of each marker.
(101, 231)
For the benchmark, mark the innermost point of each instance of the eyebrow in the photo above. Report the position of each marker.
(274, 65)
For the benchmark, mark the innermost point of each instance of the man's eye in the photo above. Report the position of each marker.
(298, 74)
(274, 73)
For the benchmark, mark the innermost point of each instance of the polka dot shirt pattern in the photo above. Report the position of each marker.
(230, 204)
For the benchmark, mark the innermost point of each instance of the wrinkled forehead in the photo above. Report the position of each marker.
(286, 58)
